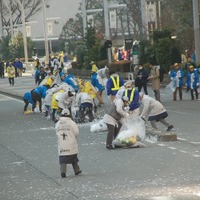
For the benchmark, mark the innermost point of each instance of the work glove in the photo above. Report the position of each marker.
(126, 115)
(127, 108)
(197, 84)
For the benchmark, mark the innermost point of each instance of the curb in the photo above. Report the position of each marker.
(162, 136)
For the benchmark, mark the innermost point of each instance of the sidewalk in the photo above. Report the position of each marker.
(22, 85)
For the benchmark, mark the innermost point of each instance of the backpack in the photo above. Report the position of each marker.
(162, 72)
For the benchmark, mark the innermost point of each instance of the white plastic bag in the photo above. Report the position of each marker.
(171, 87)
(132, 133)
(98, 127)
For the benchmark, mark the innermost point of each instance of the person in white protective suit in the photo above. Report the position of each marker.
(85, 103)
(67, 132)
(48, 98)
(114, 119)
(65, 100)
(155, 111)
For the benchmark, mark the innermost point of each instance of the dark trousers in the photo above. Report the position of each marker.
(179, 89)
(36, 97)
(144, 85)
(11, 80)
(112, 133)
(26, 104)
(192, 93)
(157, 94)
(86, 109)
(63, 168)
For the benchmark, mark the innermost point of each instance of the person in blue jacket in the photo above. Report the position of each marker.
(113, 85)
(132, 93)
(70, 80)
(27, 99)
(176, 76)
(192, 81)
(38, 94)
(97, 82)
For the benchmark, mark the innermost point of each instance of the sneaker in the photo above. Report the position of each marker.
(170, 128)
(63, 175)
(79, 172)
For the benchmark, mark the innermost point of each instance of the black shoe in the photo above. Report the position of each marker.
(170, 128)
(110, 147)
(63, 175)
(79, 172)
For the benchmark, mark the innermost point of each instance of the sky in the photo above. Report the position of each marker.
(62, 9)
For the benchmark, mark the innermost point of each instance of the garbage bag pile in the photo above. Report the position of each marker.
(132, 133)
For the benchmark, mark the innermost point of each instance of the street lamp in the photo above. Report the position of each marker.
(24, 31)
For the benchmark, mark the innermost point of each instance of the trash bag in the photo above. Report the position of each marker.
(132, 133)
(171, 87)
(98, 127)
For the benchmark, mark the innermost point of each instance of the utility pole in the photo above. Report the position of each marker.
(196, 29)
(107, 29)
(45, 32)
(84, 15)
(24, 30)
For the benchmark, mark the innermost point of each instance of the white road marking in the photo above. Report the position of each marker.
(162, 198)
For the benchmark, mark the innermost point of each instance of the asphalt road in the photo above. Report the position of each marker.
(29, 167)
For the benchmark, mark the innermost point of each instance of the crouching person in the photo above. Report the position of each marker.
(86, 104)
(155, 111)
(113, 119)
(67, 132)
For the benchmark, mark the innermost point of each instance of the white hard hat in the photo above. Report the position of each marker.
(65, 112)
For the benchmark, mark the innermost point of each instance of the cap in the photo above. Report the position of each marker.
(176, 64)
(65, 112)
(128, 83)
(191, 66)
(92, 62)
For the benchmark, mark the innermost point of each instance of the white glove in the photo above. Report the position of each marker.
(127, 108)
(197, 84)
(109, 98)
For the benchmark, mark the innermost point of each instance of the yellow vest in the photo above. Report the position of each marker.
(115, 83)
(132, 94)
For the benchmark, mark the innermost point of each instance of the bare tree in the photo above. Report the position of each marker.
(31, 7)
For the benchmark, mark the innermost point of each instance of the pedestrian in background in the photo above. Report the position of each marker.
(154, 77)
(1, 69)
(141, 79)
(67, 131)
(155, 112)
(19, 68)
(192, 81)
(176, 76)
(11, 74)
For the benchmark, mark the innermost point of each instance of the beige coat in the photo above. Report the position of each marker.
(67, 132)
(151, 107)
(155, 74)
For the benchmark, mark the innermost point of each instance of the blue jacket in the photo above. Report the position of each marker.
(134, 103)
(110, 85)
(28, 96)
(19, 65)
(177, 76)
(41, 90)
(70, 80)
(95, 82)
(192, 79)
